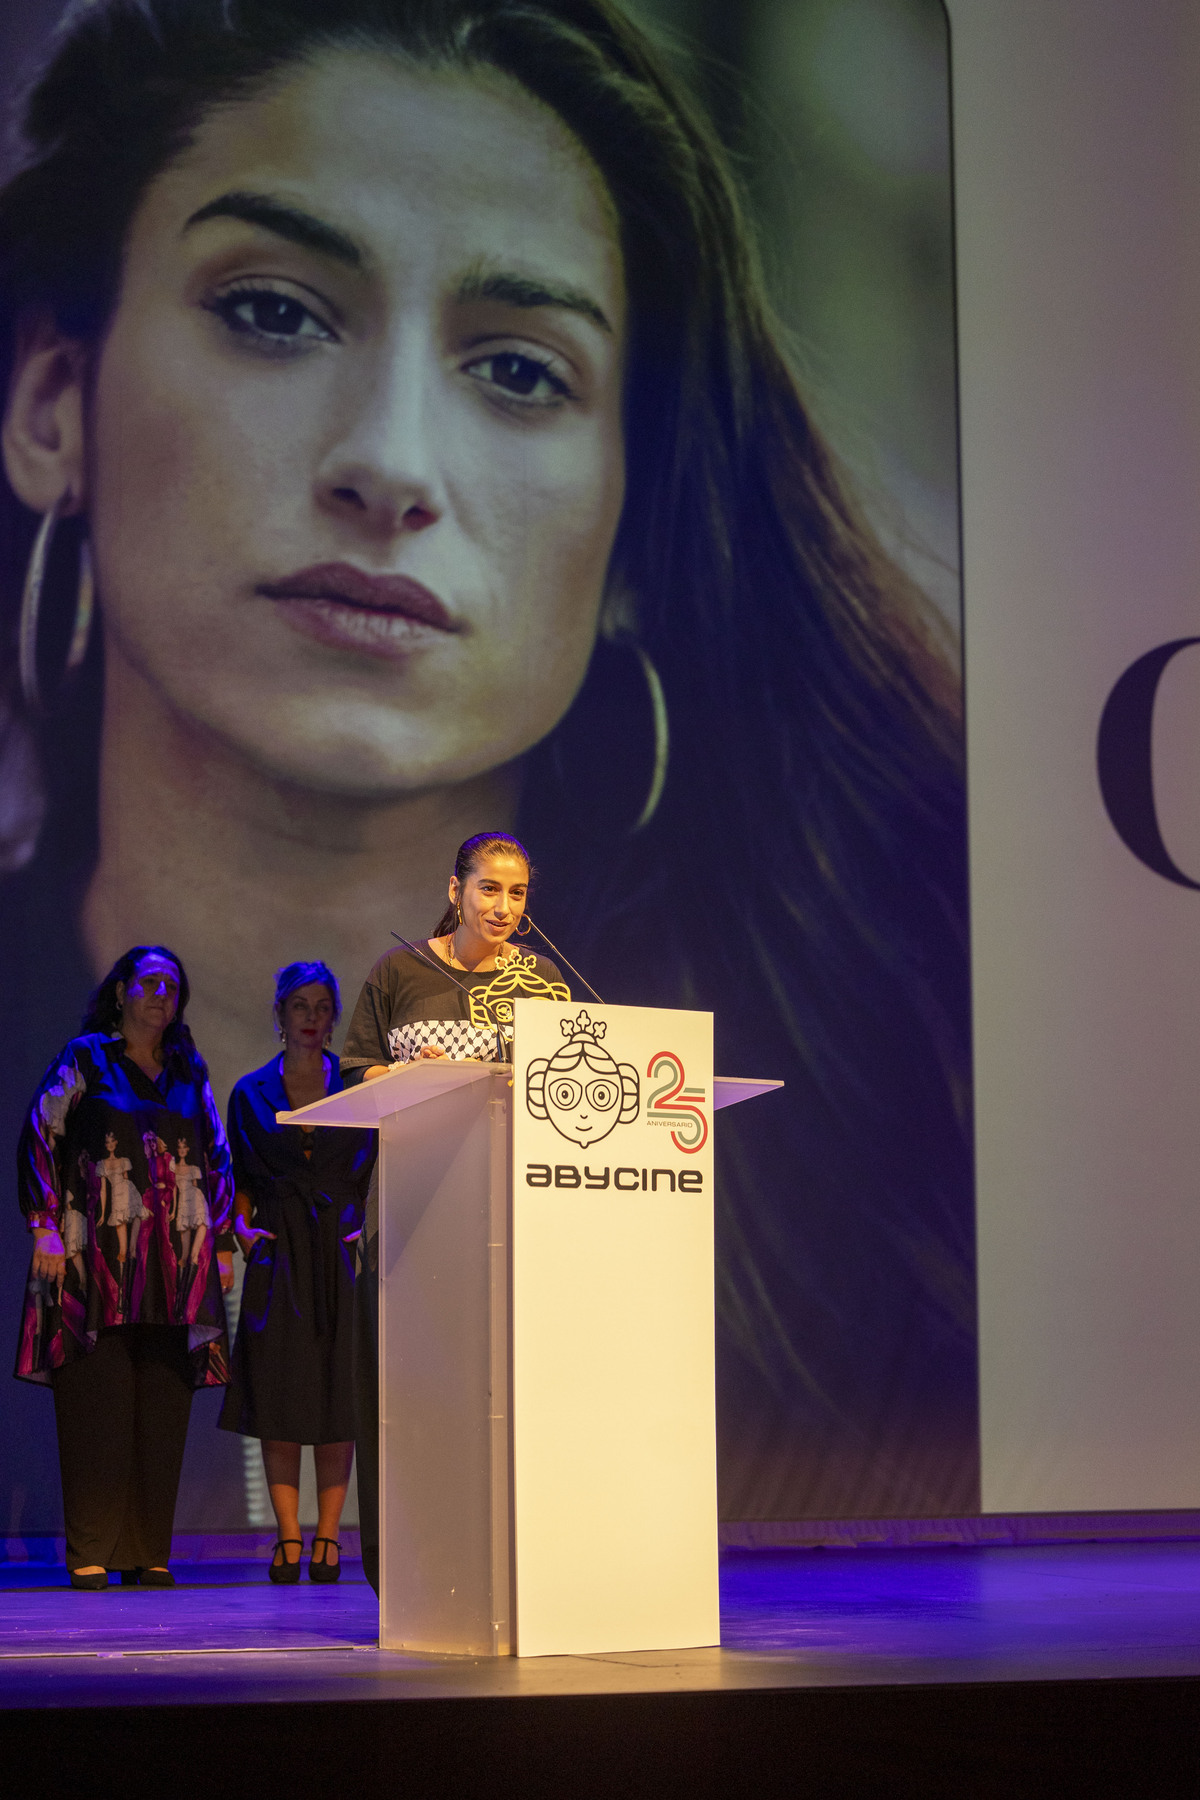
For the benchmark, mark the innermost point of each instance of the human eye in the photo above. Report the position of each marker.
(516, 376)
(271, 317)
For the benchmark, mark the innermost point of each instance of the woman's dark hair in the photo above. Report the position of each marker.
(484, 843)
(815, 745)
(302, 974)
(103, 1013)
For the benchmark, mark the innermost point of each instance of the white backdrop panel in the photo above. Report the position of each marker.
(1077, 170)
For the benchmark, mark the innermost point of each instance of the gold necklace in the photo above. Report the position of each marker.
(456, 960)
(451, 953)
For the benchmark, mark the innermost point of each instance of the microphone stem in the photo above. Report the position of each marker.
(557, 952)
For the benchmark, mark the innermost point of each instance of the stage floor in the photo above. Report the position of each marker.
(790, 1619)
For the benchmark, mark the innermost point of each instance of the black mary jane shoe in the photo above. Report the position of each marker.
(283, 1571)
(91, 1584)
(324, 1570)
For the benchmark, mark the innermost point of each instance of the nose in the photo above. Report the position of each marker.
(380, 473)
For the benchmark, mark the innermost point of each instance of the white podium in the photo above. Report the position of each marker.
(547, 1446)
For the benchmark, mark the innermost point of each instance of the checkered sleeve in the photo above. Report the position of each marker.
(461, 1040)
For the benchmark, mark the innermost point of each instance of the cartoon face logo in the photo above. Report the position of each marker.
(492, 1006)
(580, 1089)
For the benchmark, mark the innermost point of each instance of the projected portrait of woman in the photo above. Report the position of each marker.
(401, 373)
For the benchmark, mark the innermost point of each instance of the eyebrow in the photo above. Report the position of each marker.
(523, 291)
(286, 221)
(311, 233)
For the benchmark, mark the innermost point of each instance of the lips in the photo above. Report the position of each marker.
(382, 615)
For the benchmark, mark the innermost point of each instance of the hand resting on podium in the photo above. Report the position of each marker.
(427, 1053)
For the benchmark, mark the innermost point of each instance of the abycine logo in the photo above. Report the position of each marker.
(580, 1089)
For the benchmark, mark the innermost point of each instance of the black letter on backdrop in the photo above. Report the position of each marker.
(1124, 761)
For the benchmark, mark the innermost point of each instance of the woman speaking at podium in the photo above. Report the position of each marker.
(450, 996)
(430, 1000)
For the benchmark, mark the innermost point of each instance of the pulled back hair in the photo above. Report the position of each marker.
(303, 974)
(484, 843)
(814, 781)
(180, 1055)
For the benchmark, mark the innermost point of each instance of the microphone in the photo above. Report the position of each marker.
(443, 969)
(557, 952)
(433, 962)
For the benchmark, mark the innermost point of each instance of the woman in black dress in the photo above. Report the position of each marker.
(298, 1209)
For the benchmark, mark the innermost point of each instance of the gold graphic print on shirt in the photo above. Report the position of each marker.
(517, 979)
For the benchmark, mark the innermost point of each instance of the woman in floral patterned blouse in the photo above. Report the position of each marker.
(123, 1319)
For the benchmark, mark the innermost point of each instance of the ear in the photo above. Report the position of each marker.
(43, 436)
(452, 890)
(120, 992)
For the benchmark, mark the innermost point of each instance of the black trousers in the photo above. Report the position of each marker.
(366, 1410)
(122, 1414)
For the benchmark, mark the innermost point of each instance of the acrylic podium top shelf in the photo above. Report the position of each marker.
(410, 1084)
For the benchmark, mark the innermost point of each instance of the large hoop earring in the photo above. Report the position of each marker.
(31, 605)
(517, 932)
(621, 704)
(662, 735)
